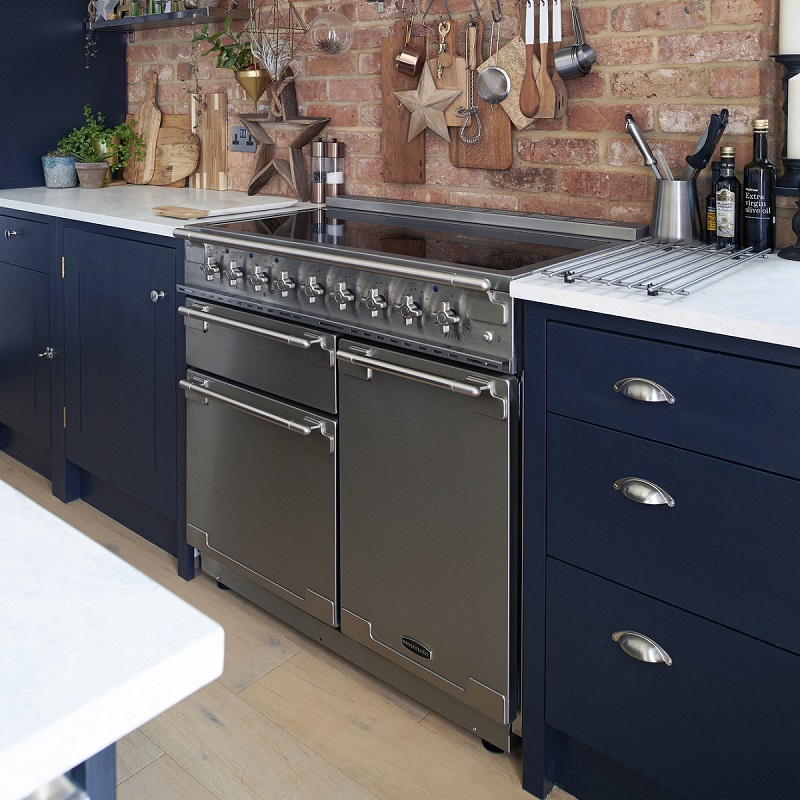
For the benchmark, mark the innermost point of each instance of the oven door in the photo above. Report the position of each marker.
(261, 490)
(428, 521)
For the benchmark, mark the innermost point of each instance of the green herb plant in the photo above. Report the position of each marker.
(95, 141)
(235, 54)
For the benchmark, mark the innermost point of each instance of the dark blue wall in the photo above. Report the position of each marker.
(45, 83)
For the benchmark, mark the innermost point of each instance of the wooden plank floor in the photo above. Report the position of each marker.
(287, 719)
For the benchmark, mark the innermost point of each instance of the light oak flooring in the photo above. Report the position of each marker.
(287, 719)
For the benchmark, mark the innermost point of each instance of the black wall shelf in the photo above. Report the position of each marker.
(173, 19)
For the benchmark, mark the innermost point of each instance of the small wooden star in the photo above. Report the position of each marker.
(293, 171)
(427, 104)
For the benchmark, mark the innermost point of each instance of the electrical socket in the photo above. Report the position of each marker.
(241, 140)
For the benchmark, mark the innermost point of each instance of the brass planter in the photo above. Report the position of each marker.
(254, 82)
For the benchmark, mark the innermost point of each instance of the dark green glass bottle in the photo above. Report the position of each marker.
(729, 195)
(758, 194)
(711, 206)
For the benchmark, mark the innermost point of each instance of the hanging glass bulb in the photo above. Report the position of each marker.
(331, 33)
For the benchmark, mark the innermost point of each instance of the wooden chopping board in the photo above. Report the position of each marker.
(148, 121)
(209, 114)
(494, 149)
(453, 77)
(403, 162)
(177, 151)
(511, 57)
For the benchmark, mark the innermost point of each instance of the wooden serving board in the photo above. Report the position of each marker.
(403, 162)
(511, 58)
(177, 154)
(494, 149)
(453, 77)
(148, 121)
(179, 212)
(209, 115)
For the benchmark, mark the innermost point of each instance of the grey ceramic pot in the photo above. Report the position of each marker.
(59, 172)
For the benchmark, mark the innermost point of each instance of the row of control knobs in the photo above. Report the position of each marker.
(375, 302)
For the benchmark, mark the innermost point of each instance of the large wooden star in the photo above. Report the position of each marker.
(293, 170)
(427, 104)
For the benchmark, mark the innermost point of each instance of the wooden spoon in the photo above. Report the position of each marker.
(547, 92)
(529, 91)
(558, 82)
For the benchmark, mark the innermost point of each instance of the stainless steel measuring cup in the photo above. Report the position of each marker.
(576, 60)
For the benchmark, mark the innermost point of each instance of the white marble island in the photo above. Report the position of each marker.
(92, 648)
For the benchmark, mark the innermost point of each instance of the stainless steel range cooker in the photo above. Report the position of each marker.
(353, 402)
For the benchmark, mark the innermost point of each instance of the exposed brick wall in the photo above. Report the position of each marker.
(670, 64)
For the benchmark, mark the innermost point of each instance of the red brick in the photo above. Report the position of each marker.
(629, 213)
(524, 179)
(366, 189)
(712, 46)
(693, 118)
(369, 115)
(659, 83)
(443, 173)
(615, 51)
(568, 207)
(354, 89)
(369, 64)
(742, 82)
(624, 153)
(341, 116)
(558, 151)
(661, 16)
(504, 202)
(367, 38)
(367, 170)
(605, 185)
(594, 21)
(604, 117)
(422, 194)
(346, 64)
(744, 12)
(311, 90)
(362, 142)
(590, 86)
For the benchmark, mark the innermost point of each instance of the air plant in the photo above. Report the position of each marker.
(274, 36)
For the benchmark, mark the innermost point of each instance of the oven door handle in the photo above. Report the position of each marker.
(475, 388)
(275, 336)
(313, 425)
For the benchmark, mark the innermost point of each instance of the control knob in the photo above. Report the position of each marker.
(341, 295)
(409, 310)
(312, 290)
(257, 279)
(233, 273)
(284, 284)
(445, 317)
(210, 268)
(374, 301)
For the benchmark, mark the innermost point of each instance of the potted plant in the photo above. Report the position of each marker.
(99, 148)
(59, 170)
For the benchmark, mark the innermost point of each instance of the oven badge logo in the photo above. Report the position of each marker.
(416, 647)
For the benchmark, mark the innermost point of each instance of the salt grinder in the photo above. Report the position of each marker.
(318, 171)
(334, 168)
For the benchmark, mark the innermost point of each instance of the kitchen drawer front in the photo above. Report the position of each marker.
(740, 409)
(727, 549)
(720, 723)
(24, 243)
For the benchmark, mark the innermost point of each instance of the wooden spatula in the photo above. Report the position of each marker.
(529, 91)
(547, 93)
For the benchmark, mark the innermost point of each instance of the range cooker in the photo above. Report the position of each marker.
(353, 424)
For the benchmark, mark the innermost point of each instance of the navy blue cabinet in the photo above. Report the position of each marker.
(661, 497)
(120, 392)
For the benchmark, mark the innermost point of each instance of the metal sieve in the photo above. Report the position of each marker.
(494, 85)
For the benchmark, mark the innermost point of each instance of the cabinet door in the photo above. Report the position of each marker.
(121, 383)
(24, 334)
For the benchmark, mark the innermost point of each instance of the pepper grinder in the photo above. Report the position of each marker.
(318, 171)
(334, 177)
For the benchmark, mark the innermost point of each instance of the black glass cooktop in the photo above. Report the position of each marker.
(469, 245)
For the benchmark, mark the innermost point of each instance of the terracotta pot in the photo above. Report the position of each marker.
(92, 176)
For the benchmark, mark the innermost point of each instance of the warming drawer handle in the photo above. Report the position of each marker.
(643, 491)
(275, 336)
(290, 424)
(641, 647)
(644, 389)
(459, 387)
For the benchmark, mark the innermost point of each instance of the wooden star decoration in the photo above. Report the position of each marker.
(427, 104)
(293, 170)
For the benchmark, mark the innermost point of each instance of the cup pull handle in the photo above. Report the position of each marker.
(644, 389)
(641, 647)
(643, 491)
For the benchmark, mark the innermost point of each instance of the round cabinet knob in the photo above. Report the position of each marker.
(233, 273)
(9, 234)
(445, 317)
(284, 284)
(210, 269)
(341, 295)
(374, 302)
(156, 296)
(312, 290)
(409, 310)
(257, 279)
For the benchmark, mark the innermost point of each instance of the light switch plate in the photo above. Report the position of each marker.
(241, 139)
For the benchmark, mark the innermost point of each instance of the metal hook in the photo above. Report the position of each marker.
(477, 11)
(496, 19)
(446, 5)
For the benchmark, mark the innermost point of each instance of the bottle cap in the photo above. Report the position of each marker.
(761, 125)
(727, 152)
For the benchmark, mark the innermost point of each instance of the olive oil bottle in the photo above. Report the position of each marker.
(711, 206)
(758, 194)
(729, 195)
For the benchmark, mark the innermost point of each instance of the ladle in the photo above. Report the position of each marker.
(575, 61)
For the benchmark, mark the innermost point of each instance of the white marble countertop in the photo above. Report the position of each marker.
(130, 207)
(759, 301)
(92, 648)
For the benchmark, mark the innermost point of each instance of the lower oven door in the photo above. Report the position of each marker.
(428, 524)
(261, 490)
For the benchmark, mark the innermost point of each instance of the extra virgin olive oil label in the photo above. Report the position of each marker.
(726, 213)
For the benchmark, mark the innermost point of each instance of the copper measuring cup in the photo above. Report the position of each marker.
(409, 60)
